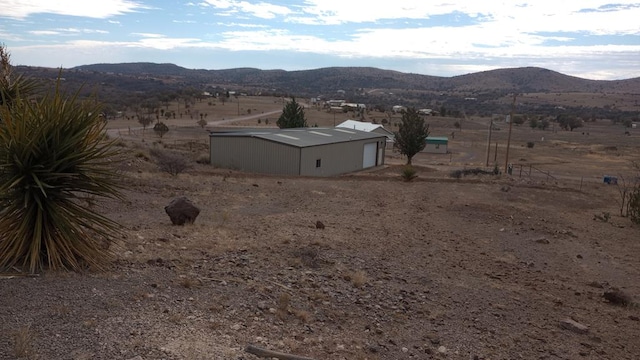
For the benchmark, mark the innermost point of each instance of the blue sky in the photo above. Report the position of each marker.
(592, 39)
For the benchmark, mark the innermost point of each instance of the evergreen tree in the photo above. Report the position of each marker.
(411, 136)
(292, 116)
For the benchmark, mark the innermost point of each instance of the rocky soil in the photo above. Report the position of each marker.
(437, 268)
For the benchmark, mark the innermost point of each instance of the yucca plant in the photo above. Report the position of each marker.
(54, 155)
(12, 86)
(408, 173)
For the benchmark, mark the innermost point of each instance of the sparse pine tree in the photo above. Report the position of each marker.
(292, 116)
(411, 136)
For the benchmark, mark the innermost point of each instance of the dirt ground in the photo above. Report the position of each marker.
(483, 267)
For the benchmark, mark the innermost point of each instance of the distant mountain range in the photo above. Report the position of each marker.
(127, 84)
(527, 79)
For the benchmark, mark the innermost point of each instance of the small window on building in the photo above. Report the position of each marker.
(318, 163)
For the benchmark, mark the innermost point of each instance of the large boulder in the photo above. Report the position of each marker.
(182, 211)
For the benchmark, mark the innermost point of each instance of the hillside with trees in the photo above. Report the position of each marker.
(127, 85)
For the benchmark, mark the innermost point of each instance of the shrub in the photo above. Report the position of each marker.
(633, 205)
(53, 155)
(408, 173)
(530, 144)
(170, 162)
(203, 159)
(457, 174)
(160, 129)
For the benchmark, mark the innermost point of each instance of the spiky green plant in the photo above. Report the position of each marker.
(54, 154)
(12, 86)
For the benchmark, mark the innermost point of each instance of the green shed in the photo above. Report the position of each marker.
(436, 145)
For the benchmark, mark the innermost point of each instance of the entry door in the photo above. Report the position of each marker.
(369, 155)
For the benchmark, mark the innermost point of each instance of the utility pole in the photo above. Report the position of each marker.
(506, 158)
(489, 140)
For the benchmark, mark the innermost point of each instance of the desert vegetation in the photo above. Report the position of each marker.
(54, 160)
(463, 261)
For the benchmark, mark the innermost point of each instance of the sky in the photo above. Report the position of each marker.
(593, 39)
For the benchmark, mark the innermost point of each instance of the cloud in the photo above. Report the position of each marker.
(66, 31)
(587, 37)
(263, 10)
(21, 9)
(149, 35)
(44, 32)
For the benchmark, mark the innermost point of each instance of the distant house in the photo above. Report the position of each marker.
(334, 103)
(398, 108)
(368, 127)
(353, 106)
(436, 145)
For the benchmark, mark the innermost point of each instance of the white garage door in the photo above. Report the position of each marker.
(369, 155)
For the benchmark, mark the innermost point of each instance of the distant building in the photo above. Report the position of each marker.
(368, 127)
(398, 108)
(353, 106)
(436, 145)
(301, 151)
(334, 103)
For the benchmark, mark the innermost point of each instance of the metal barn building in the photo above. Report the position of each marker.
(301, 151)
(368, 127)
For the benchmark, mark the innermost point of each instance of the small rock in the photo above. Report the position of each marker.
(634, 318)
(617, 297)
(236, 327)
(442, 350)
(262, 305)
(572, 325)
(404, 350)
(319, 225)
(542, 241)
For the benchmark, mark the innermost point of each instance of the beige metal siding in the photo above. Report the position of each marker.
(335, 159)
(254, 155)
(435, 148)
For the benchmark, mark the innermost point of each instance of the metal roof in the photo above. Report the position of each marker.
(360, 125)
(302, 137)
(437, 139)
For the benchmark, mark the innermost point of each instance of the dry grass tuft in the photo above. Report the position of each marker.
(283, 305)
(61, 309)
(357, 278)
(307, 256)
(303, 315)
(189, 282)
(23, 343)
(175, 318)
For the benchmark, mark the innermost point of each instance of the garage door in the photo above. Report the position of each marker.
(369, 155)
